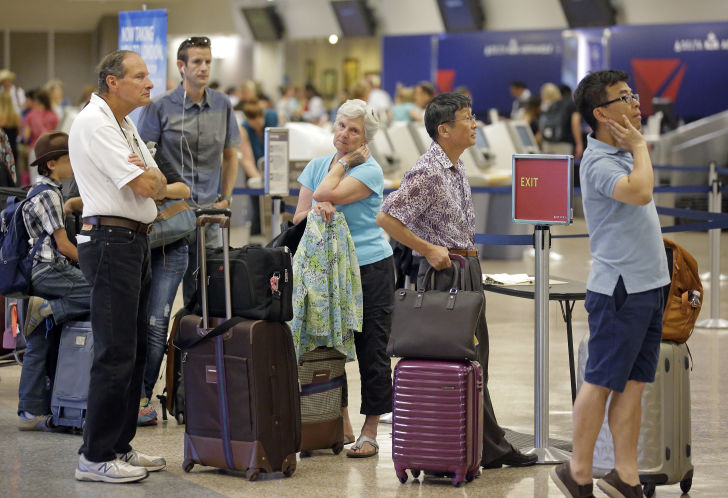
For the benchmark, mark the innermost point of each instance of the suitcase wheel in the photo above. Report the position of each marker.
(686, 484)
(415, 473)
(337, 448)
(402, 479)
(470, 476)
(187, 465)
(649, 489)
(252, 474)
(289, 471)
(305, 454)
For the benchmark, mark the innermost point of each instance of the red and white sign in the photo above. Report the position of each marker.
(543, 189)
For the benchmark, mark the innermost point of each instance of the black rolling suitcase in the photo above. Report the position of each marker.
(242, 406)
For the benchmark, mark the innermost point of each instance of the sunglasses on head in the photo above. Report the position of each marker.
(195, 41)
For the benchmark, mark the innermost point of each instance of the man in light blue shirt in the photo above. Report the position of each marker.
(624, 296)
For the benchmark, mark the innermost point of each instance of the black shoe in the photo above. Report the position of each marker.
(513, 459)
(561, 475)
(614, 486)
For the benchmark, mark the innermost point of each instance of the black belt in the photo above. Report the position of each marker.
(118, 221)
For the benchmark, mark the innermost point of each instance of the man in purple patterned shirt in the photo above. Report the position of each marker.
(432, 213)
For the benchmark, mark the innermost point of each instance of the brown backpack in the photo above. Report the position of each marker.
(682, 304)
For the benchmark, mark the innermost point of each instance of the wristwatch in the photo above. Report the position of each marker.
(228, 198)
(344, 164)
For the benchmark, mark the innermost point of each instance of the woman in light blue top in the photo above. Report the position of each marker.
(351, 181)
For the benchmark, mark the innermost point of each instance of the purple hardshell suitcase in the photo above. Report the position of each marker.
(242, 407)
(437, 418)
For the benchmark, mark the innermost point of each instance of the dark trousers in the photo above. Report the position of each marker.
(494, 441)
(116, 263)
(375, 370)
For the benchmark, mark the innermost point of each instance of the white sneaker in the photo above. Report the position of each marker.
(111, 471)
(139, 459)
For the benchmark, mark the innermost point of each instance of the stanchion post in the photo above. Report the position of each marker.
(714, 205)
(541, 448)
(275, 219)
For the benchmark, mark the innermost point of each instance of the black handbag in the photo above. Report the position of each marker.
(290, 236)
(261, 281)
(436, 325)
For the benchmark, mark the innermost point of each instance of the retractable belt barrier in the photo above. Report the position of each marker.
(712, 220)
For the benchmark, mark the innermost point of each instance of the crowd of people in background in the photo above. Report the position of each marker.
(24, 116)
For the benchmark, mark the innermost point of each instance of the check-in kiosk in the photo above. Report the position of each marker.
(276, 171)
(405, 149)
(543, 191)
(382, 150)
(422, 138)
(523, 138)
(498, 136)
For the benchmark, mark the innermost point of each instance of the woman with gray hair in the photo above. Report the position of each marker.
(351, 181)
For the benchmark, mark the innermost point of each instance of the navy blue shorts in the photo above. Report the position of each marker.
(625, 331)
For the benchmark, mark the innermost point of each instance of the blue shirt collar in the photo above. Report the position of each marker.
(179, 93)
(599, 146)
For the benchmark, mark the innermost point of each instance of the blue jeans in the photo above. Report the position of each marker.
(168, 267)
(116, 262)
(69, 295)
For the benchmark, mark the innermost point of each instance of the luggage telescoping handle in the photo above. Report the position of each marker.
(206, 217)
(430, 274)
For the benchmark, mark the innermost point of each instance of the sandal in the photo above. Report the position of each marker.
(353, 451)
(348, 439)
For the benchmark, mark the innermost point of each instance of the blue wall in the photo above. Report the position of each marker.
(407, 60)
(688, 63)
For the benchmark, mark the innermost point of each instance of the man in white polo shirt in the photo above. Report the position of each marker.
(119, 182)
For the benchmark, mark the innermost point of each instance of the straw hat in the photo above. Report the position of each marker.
(6, 74)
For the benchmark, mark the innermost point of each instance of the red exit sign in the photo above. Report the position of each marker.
(543, 189)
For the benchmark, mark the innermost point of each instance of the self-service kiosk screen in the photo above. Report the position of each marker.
(525, 135)
(480, 141)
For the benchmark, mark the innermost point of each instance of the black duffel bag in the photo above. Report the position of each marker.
(261, 283)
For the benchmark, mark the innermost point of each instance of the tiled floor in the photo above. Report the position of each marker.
(41, 464)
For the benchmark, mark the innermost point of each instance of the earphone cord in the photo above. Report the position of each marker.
(187, 144)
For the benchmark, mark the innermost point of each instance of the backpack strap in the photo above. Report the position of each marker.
(37, 189)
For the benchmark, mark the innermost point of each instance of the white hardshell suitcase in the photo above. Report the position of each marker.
(664, 446)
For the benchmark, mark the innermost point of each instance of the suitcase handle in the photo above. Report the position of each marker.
(212, 211)
(205, 217)
(430, 274)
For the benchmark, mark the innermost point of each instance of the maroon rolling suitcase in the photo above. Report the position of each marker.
(437, 418)
(242, 406)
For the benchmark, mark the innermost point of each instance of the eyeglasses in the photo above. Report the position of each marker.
(195, 41)
(627, 99)
(470, 118)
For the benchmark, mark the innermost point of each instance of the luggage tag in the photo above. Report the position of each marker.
(9, 339)
(274, 283)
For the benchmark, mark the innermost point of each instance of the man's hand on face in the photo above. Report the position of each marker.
(627, 136)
